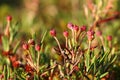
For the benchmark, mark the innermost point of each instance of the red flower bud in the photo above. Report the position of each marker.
(28, 68)
(16, 64)
(6, 53)
(9, 18)
(83, 28)
(109, 38)
(90, 37)
(13, 58)
(65, 34)
(76, 68)
(70, 25)
(37, 47)
(31, 42)
(25, 46)
(90, 33)
(1, 76)
(76, 28)
(52, 32)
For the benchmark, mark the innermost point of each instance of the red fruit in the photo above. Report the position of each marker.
(37, 47)
(109, 38)
(53, 32)
(65, 34)
(31, 42)
(83, 28)
(9, 18)
(25, 46)
(70, 25)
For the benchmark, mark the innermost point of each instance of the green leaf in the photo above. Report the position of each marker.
(113, 59)
(43, 37)
(104, 74)
(5, 43)
(87, 61)
(16, 47)
(103, 57)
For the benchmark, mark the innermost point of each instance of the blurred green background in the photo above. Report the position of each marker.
(40, 15)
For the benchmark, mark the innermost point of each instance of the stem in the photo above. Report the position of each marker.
(38, 62)
(101, 38)
(78, 34)
(59, 46)
(89, 45)
(66, 41)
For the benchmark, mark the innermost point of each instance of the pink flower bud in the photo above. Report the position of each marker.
(76, 28)
(1, 76)
(9, 18)
(52, 32)
(65, 34)
(70, 25)
(31, 42)
(83, 28)
(98, 33)
(90, 33)
(25, 46)
(109, 38)
(90, 37)
(37, 47)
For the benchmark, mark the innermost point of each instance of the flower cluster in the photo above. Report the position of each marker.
(75, 57)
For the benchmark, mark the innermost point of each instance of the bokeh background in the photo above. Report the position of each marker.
(40, 15)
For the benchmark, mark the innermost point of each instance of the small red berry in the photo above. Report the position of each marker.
(9, 18)
(31, 42)
(65, 34)
(37, 47)
(83, 28)
(52, 32)
(109, 38)
(25, 46)
(70, 25)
